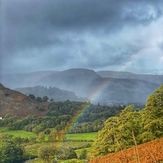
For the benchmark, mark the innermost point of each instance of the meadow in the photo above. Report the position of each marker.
(82, 136)
(76, 141)
(70, 137)
(17, 133)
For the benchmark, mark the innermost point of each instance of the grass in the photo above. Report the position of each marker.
(72, 137)
(82, 136)
(21, 133)
(76, 141)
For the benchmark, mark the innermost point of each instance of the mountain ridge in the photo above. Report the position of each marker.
(85, 82)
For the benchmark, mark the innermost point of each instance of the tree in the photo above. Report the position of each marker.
(10, 152)
(39, 99)
(117, 132)
(53, 136)
(83, 154)
(45, 99)
(51, 100)
(66, 153)
(46, 153)
(152, 115)
(41, 136)
(32, 96)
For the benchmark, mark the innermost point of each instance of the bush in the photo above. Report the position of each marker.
(66, 153)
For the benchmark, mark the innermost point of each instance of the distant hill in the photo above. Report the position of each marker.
(121, 91)
(157, 79)
(16, 104)
(75, 80)
(24, 79)
(105, 87)
(52, 93)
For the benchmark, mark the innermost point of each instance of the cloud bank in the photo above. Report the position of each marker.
(101, 35)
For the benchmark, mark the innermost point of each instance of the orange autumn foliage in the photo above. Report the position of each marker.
(150, 152)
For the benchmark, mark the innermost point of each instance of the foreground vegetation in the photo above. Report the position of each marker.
(132, 126)
(76, 147)
(62, 115)
(144, 153)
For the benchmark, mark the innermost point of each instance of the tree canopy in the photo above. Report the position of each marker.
(132, 126)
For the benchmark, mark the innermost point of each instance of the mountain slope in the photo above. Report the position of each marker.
(157, 79)
(16, 104)
(121, 91)
(52, 92)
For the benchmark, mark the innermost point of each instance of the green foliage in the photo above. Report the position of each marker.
(41, 109)
(117, 132)
(46, 153)
(32, 96)
(45, 99)
(41, 137)
(53, 136)
(10, 152)
(83, 154)
(152, 115)
(131, 125)
(60, 115)
(66, 153)
(39, 99)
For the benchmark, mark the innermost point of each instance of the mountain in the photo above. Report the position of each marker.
(120, 91)
(16, 104)
(52, 93)
(157, 79)
(105, 87)
(74, 80)
(24, 79)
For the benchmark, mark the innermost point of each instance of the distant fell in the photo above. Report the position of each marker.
(120, 91)
(52, 93)
(105, 87)
(157, 79)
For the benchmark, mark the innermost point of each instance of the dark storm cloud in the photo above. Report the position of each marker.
(60, 34)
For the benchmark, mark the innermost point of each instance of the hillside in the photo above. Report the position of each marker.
(131, 127)
(144, 153)
(157, 79)
(52, 93)
(16, 104)
(121, 91)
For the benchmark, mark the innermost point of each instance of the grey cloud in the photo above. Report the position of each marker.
(73, 33)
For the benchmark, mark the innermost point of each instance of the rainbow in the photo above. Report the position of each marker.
(93, 97)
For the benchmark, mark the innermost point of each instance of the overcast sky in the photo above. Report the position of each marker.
(122, 35)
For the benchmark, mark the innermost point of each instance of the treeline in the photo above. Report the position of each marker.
(52, 93)
(62, 115)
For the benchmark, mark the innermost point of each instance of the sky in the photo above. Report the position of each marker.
(119, 35)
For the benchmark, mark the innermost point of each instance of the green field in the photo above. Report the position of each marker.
(21, 133)
(76, 141)
(82, 136)
(72, 137)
